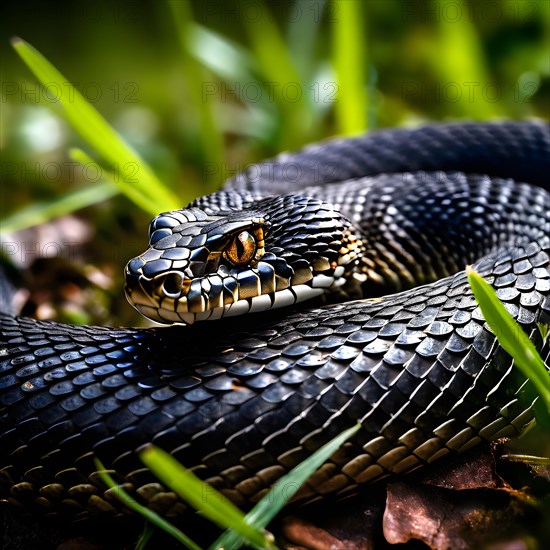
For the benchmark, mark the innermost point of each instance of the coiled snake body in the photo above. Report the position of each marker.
(243, 400)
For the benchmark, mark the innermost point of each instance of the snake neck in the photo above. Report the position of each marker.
(416, 228)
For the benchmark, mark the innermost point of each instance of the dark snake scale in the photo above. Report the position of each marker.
(393, 216)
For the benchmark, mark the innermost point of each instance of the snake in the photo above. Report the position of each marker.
(317, 290)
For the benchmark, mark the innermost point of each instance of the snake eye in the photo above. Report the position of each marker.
(241, 249)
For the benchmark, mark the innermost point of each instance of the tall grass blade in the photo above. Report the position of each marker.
(349, 59)
(258, 116)
(457, 50)
(285, 488)
(202, 496)
(285, 84)
(147, 514)
(303, 30)
(38, 212)
(221, 55)
(42, 212)
(137, 180)
(208, 130)
(511, 336)
(145, 537)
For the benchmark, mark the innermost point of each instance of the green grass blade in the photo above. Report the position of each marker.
(145, 537)
(510, 335)
(463, 82)
(529, 459)
(137, 179)
(42, 212)
(303, 32)
(147, 514)
(349, 60)
(273, 502)
(221, 55)
(544, 331)
(81, 157)
(121, 180)
(201, 496)
(285, 84)
(39, 212)
(233, 64)
(208, 130)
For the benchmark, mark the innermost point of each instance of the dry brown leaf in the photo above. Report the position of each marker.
(444, 518)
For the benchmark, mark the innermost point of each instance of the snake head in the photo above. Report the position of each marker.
(240, 256)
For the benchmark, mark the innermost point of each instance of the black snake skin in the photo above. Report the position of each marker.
(243, 400)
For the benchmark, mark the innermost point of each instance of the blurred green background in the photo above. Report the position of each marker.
(202, 89)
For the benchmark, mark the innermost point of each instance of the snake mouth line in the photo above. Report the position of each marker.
(171, 311)
(211, 290)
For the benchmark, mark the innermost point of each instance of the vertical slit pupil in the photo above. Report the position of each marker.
(240, 245)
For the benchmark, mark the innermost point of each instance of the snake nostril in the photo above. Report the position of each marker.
(172, 284)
